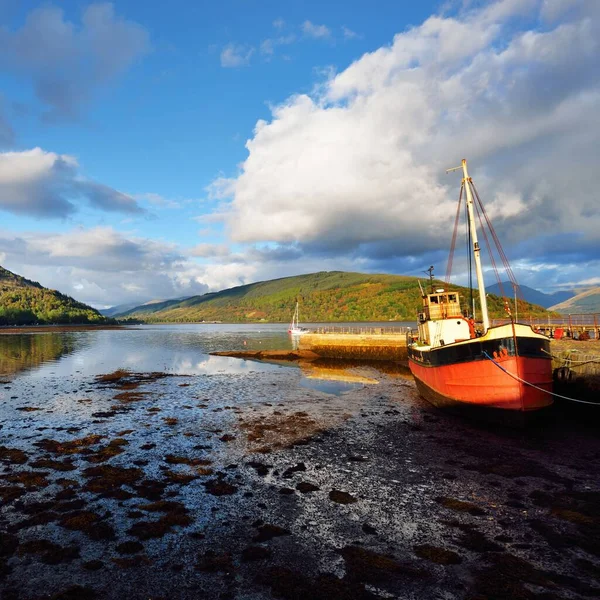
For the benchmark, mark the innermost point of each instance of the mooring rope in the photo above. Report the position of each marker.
(565, 360)
(535, 386)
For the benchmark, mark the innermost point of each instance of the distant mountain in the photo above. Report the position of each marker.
(531, 295)
(324, 297)
(24, 302)
(586, 302)
(115, 310)
(122, 309)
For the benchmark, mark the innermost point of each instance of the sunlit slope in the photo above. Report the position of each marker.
(325, 296)
(587, 302)
(24, 302)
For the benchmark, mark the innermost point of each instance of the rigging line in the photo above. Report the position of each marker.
(489, 249)
(535, 386)
(453, 244)
(469, 260)
(499, 247)
(571, 360)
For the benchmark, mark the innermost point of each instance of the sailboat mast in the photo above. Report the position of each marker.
(476, 249)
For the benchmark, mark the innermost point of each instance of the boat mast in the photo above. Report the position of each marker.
(476, 249)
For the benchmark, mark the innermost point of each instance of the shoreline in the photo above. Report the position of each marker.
(16, 329)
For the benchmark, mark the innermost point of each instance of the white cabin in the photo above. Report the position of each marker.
(441, 322)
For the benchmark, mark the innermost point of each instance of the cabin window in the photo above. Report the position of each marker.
(434, 299)
(452, 298)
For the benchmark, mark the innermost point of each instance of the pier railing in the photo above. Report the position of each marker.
(570, 324)
(361, 330)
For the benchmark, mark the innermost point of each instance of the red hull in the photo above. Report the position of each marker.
(482, 384)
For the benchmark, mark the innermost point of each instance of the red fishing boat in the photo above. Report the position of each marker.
(503, 372)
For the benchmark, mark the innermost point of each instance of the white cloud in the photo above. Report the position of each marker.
(269, 45)
(66, 62)
(104, 267)
(236, 55)
(279, 23)
(358, 166)
(348, 33)
(315, 31)
(45, 184)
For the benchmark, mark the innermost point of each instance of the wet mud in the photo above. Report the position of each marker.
(153, 485)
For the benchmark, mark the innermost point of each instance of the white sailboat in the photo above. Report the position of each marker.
(294, 328)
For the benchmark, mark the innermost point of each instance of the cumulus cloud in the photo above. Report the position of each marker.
(102, 266)
(357, 168)
(7, 134)
(68, 62)
(348, 33)
(236, 55)
(269, 45)
(315, 31)
(49, 185)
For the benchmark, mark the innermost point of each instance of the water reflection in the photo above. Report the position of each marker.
(22, 352)
(180, 349)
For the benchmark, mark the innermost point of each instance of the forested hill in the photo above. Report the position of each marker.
(25, 302)
(324, 297)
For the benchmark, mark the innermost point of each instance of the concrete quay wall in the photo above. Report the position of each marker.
(391, 347)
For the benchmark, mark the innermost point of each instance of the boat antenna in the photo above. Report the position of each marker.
(430, 273)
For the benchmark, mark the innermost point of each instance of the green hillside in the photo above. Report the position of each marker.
(324, 297)
(586, 302)
(25, 302)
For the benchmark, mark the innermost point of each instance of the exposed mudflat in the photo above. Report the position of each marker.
(153, 485)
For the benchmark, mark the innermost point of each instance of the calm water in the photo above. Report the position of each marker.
(181, 349)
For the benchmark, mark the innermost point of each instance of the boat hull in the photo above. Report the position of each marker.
(486, 374)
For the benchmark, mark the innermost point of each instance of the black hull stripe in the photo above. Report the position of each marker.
(475, 349)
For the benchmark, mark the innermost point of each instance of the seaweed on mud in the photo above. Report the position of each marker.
(254, 553)
(261, 468)
(179, 478)
(441, 556)
(13, 456)
(107, 480)
(219, 487)
(279, 431)
(506, 577)
(341, 497)
(289, 472)
(130, 547)
(294, 585)
(163, 506)
(114, 377)
(32, 480)
(211, 562)
(127, 397)
(146, 530)
(89, 523)
(114, 448)
(56, 465)
(367, 566)
(183, 460)
(267, 532)
(71, 447)
(9, 493)
(28, 408)
(132, 562)
(460, 505)
(93, 565)
(49, 552)
(171, 420)
(76, 592)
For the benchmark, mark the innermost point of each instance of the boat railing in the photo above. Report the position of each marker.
(331, 329)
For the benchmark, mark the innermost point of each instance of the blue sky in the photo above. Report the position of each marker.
(148, 152)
